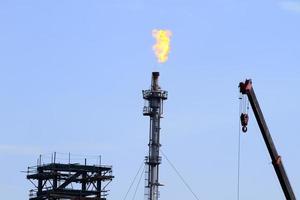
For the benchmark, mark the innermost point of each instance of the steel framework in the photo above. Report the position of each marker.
(56, 181)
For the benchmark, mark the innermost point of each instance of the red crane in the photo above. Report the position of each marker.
(247, 89)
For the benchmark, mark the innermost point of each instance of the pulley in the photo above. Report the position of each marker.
(244, 121)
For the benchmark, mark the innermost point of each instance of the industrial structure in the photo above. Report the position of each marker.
(75, 181)
(58, 181)
(154, 109)
(247, 89)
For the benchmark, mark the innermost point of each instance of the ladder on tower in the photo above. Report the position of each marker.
(146, 192)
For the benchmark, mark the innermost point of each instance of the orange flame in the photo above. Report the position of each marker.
(162, 46)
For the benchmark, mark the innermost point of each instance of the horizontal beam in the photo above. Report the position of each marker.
(73, 167)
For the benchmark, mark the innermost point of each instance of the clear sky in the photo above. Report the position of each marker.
(71, 75)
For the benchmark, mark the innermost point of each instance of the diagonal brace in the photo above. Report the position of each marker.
(69, 180)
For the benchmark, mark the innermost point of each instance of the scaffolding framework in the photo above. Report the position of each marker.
(56, 181)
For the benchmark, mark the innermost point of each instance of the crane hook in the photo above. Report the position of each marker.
(244, 129)
(244, 121)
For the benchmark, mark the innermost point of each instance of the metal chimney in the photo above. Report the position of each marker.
(154, 109)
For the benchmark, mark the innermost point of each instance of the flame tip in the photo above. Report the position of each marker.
(162, 45)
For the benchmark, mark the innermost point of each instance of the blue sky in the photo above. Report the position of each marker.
(71, 75)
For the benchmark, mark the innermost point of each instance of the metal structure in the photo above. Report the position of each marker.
(247, 89)
(57, 181)
(154, 97)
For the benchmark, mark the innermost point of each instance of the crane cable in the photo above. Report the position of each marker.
(239, 148)
(243, 108)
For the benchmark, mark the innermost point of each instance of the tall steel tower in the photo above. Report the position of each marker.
(154, 97)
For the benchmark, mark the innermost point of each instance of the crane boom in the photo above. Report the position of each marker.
(247, 89)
